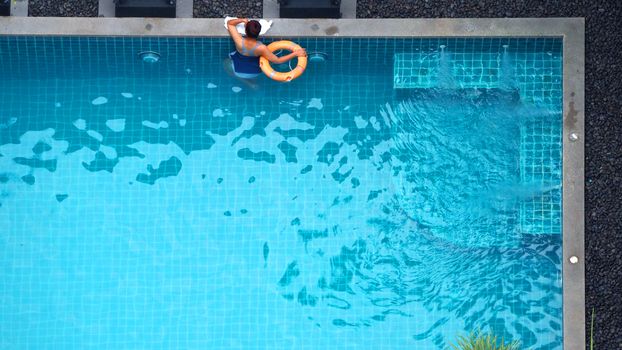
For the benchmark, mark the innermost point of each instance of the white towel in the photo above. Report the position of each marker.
(265, 25)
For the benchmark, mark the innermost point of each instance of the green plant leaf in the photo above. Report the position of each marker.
(483, 341)
(592, 331)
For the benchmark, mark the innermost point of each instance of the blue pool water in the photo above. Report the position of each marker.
(402, 193)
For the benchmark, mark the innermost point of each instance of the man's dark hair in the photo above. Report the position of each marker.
(253, 28)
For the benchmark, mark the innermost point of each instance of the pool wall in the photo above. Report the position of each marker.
(571, 29)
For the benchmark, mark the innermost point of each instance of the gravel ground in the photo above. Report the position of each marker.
(63, 8)
(222, 8)
(603, 124)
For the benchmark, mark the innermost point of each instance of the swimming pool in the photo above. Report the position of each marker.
(401, 193)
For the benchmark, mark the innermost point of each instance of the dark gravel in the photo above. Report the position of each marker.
(63, 8)
(221, 8)
(603, 124)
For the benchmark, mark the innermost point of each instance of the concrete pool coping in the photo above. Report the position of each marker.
(572, 30)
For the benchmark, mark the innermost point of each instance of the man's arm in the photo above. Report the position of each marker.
(264, 52)
(237, 38)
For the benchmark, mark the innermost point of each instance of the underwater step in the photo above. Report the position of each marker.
(537, 75)
(540, 166)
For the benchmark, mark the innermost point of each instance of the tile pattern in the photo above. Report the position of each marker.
(154, 265)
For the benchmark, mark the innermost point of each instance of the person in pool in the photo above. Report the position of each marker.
(244, 61)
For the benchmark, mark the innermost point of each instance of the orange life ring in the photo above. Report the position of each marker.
(265, 66)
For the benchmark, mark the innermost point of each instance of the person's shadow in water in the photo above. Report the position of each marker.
(252, 83)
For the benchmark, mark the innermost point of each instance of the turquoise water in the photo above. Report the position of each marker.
(369, 204)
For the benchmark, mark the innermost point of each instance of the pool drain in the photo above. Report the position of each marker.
(317, 57)
(313, 57)
(149, 56)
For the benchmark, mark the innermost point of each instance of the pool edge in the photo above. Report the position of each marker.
(572, 30)
(573, 201)
(213, 27)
